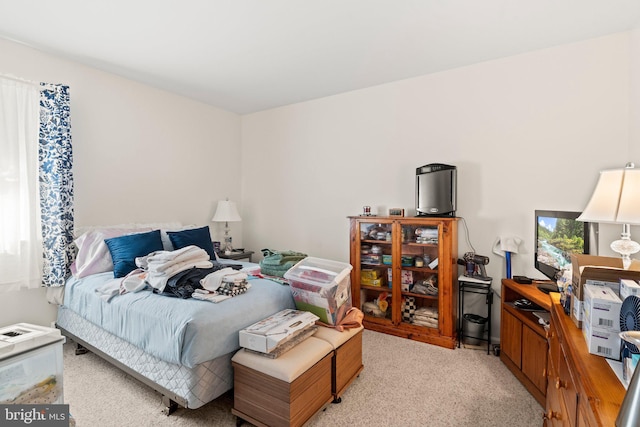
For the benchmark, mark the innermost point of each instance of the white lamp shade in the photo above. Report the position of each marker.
(226, 212)
(629, 209)
(615, 199)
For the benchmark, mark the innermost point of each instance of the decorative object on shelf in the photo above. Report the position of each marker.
(382, 302)
(408, 309)
(366, 211)
(615, 200)
(396, 212)
(226, 212)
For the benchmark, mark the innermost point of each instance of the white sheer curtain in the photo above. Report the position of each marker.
(20, 230)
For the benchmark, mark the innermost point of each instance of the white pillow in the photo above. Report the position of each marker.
(93, 254)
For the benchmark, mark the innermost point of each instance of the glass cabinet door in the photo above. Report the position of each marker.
(376, 243)
(419, 275)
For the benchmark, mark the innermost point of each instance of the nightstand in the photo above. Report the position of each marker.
(236, 255)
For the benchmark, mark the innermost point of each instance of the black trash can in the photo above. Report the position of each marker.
(473, 327)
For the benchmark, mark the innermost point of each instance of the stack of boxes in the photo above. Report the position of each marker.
(370, 277)
(596, 270)
(599, 287)
(601, 324)
(406, 279)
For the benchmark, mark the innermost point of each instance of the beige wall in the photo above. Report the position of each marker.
(140, 155)
(526, 132)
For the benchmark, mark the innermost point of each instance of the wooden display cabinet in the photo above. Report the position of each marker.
(403, 260)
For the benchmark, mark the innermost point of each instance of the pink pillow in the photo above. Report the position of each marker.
(93, 254)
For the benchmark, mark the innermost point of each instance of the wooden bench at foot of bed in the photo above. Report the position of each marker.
(285, 391)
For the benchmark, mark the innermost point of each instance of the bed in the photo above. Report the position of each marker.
(182, 348)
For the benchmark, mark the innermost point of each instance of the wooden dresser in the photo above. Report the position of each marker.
(523, 340)
(576, 388)
(582, 389)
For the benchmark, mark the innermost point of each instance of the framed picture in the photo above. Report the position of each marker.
(396, 212)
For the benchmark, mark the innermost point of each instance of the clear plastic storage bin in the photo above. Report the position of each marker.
(31, 365)
(322, 287)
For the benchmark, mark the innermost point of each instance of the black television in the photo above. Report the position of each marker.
(558, 234)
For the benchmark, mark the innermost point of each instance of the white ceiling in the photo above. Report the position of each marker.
(250, 55)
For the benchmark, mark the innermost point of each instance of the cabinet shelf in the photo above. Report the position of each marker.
(442, 245)
(375, 288)
(420, 269)
(376, 242)
(411, 294)
(432, 245)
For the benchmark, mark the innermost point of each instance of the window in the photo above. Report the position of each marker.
(20, 227)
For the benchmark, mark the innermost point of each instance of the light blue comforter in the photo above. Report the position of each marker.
(180, 331)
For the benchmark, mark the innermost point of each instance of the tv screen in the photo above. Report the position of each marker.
(558, 234)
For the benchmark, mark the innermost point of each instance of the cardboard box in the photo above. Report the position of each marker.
(264, 336)
(576, 311)
(601, 307)
(322, 287)
(629, 287)
(370, 282)
(369, 273)
(602, 342)
(598, 270)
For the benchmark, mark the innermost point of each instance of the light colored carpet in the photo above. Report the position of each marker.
(404, 383)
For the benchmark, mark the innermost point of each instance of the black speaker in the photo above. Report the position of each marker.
(436, 190)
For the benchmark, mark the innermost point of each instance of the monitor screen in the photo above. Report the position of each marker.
(558, 234)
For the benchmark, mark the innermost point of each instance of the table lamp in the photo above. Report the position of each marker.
(615, 201)
(226, 212)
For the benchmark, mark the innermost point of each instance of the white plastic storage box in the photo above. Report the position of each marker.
(322, 287)
(30, 365)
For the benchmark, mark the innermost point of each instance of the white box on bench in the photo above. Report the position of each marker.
(267, 334)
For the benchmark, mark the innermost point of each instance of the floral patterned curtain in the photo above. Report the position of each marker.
(56, 183)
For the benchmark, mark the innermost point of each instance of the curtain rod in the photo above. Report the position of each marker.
(29, 82)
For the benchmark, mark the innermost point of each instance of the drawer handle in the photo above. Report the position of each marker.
(549, 415)
(560, 384)
(549, 334)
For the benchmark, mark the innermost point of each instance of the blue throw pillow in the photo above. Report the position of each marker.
(125, 249)
(200, 237)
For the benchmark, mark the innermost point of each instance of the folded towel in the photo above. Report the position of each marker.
(235, 277)
(165, 260)
(209, 296)
(280, 258)
(212, 282)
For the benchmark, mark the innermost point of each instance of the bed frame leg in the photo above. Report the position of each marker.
(80, 349)
(169, 406)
